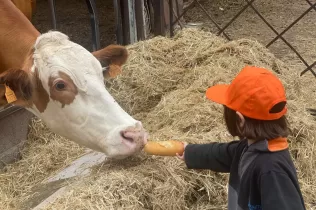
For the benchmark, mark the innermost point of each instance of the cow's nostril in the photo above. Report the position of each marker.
(130, 139)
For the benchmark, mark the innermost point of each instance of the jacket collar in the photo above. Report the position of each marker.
(272, 145)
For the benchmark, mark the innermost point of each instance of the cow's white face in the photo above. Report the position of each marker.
(70, 97)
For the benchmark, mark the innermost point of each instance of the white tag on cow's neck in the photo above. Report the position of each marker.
(9, 94)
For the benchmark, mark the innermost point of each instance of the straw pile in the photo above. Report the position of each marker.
(163, 85)
(44, 155)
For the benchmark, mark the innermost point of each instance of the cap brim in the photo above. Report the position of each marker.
(217, 93)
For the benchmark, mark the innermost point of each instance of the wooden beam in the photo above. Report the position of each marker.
(159, 17)
(171, 17)
(140, 19)
(129, 22)
(132, 21)
(118, 21)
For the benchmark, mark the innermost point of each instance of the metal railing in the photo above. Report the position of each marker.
(221, 30)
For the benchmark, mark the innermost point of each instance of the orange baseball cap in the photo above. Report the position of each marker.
(253, 93)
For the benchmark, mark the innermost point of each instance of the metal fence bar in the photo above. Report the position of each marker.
(311, 4)
(52, 5)
(191, 5)
(218, 27)
(250, 4)
(309, 68)
(177, 10)
(314, 64)
(291, 25)
(284, 40)
(235, 17)
(176, 14)
(94, 24)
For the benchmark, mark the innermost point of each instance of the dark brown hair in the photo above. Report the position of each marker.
(256, 129)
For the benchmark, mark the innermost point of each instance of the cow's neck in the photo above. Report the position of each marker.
(17, 36)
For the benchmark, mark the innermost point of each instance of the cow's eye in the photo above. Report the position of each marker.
(60, 86)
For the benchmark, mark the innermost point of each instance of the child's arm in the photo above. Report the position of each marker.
(279, 192)
(213, 156)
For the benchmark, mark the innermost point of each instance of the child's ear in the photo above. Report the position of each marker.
(240, 119)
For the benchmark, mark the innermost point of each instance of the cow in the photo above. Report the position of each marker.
(27, 7)
(62, 83)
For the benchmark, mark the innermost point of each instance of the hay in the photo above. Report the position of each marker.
(163, 85)
(44, 155)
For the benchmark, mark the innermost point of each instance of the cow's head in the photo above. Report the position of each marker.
(65, 88)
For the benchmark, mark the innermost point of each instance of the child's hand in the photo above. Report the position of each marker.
(182, 156)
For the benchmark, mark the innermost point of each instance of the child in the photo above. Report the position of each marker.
(262, 174)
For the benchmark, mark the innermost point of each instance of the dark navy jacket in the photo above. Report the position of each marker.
(262, 175)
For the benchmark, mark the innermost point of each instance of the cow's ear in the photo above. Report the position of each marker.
(111, 58)
(15, 87)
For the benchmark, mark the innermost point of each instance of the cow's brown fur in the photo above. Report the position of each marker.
(41, 97)
(66, 96)
(20, 82)
(17, 37)
(113, 54)
(27, 7)
(114, 57)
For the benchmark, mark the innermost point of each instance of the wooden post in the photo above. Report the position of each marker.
(159, 17)
(118, 21)
(129, 22)
(171, 17)
(132, 21)
(151, 13)
(172, 11)
(164, 16)
(140, 19)
(125, 25)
